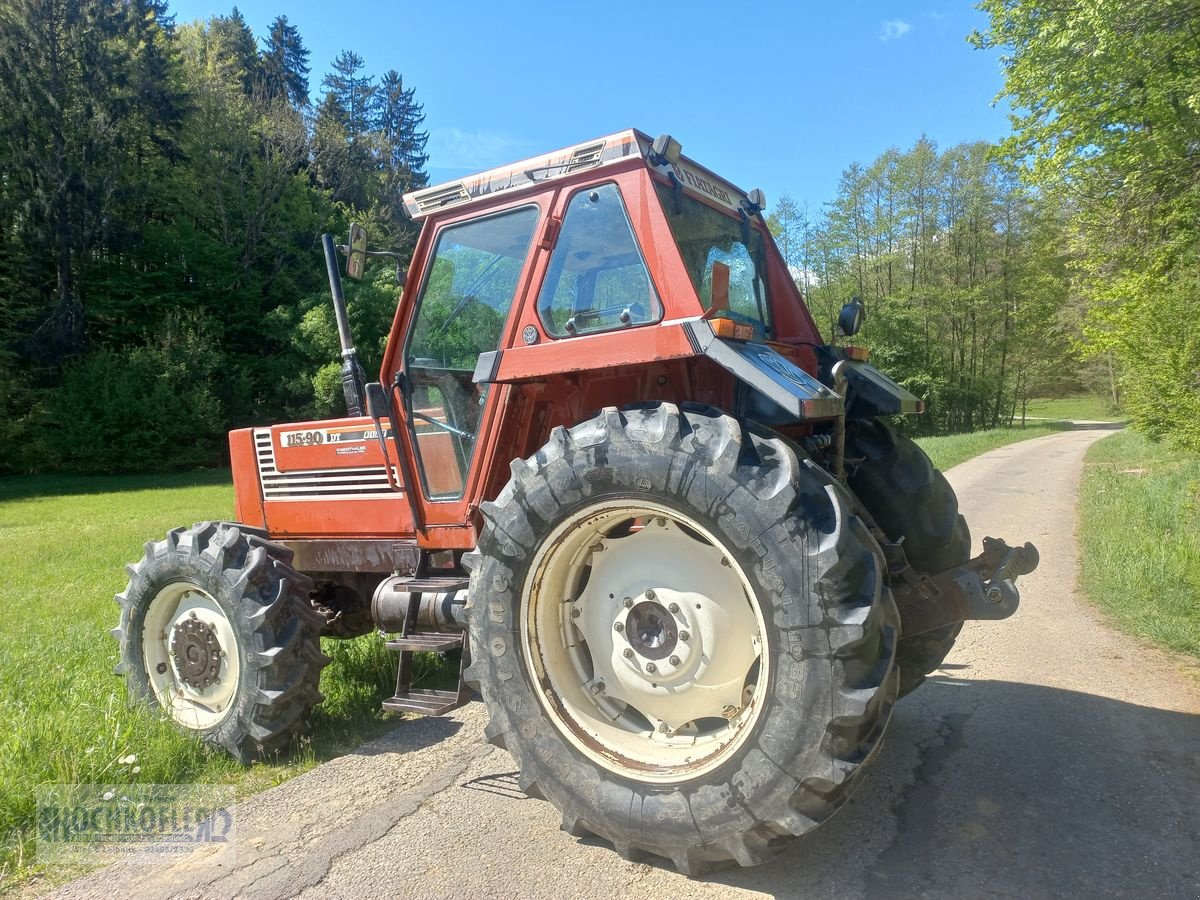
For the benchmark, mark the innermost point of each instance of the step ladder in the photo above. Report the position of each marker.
(426, 702)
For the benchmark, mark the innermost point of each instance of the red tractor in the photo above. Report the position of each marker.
(611, 457)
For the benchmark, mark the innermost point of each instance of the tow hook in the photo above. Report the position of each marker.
(984, 588)
(1001, 588)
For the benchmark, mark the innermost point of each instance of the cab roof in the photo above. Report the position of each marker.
(560, 164)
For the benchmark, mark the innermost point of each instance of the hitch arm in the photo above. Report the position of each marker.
(984, 588)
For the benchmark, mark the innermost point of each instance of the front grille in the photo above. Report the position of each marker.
(315, 482)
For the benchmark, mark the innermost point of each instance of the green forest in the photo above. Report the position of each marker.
(164, 186)
(163, 189)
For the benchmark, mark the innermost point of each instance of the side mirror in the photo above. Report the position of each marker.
(851, 318)
(377, 401)
(356, 260)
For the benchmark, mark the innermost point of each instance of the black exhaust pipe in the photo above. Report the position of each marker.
(353, 379)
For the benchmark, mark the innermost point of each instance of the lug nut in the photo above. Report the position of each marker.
(598, 687)
(664, 727)
(575, 613)
(628, 601)
(674, 660)
(674, 607)
(628, 654)
(651, 668)
(650, 595)
(618, 627)
(684, 636)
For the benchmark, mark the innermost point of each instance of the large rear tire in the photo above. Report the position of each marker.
(682, 635)
(217, 632)
(911, 500)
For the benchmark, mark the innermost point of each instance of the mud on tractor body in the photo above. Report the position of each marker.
(611, 457)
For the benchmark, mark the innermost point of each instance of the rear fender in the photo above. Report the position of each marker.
(767, 374)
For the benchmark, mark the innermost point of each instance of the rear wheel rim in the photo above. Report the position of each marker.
(646, 641)
(191, 658)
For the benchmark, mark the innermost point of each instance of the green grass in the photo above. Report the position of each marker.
(1087, 408)
(63, 716)
(1140, 538)
(951, 449)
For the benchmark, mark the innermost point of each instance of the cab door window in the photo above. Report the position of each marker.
(461, 314)
(597, 279)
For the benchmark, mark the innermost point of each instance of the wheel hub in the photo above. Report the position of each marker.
(196, 652)
(651, 630)
(667, 624)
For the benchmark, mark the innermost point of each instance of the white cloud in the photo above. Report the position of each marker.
(457, 148)
(893, 29)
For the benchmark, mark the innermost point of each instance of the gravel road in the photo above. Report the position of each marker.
(1050, 757)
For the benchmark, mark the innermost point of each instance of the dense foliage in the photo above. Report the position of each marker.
(1107, 99)
(961, 272)
(163, 188)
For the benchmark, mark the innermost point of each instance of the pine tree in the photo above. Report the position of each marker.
(353, 95)
(398, 118)
(285, 64)
(232, 51)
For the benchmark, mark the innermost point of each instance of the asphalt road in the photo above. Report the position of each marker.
(1050, 757)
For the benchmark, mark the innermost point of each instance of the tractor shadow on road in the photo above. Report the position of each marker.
(408, 735)
(1003, 789)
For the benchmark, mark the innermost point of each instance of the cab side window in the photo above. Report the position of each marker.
(597, 279)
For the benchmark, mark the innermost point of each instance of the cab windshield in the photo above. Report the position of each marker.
(705, 236)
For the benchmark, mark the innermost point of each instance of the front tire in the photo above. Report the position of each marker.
(722, 750)
(217, 632)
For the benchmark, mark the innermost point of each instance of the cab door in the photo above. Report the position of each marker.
(476, 270)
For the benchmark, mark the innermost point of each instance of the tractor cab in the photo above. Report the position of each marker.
(610, 272)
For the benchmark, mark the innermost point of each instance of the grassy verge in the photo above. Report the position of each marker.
(951, 449)
(63, 717)
(1140, 538)
(1088, 408)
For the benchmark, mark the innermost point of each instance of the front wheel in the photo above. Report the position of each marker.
(216, 631)
(681, 634)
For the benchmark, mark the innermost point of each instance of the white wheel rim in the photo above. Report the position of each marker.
(647, 642)
(175, 610)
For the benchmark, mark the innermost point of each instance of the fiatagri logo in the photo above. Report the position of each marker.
(144, 822)
(698, 182)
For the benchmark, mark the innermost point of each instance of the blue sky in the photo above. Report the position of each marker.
(781, 96)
